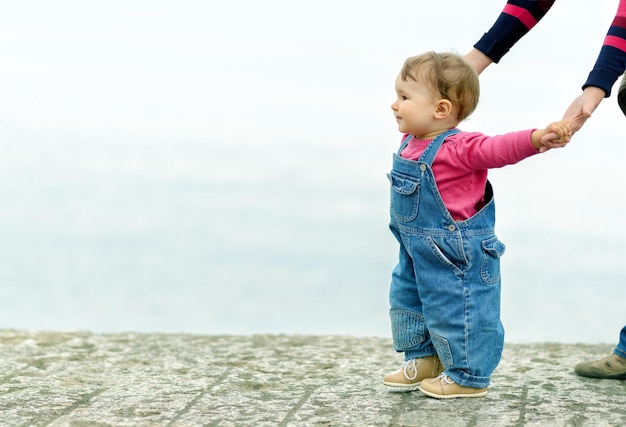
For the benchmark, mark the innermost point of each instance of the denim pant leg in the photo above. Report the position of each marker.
(462, 314)
(620, 350)
(485, 335)
(407, 320)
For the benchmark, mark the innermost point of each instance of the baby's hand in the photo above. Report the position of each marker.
(562, 129)
(557, 135)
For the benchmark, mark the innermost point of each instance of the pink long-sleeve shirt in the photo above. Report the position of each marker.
(461, 164)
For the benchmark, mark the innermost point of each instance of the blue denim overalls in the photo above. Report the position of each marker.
(445, 291)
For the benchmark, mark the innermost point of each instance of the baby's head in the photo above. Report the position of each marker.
(449, 77)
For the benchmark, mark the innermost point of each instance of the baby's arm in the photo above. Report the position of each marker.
(562, 129)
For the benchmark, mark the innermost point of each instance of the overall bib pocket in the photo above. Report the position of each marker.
(404, 197)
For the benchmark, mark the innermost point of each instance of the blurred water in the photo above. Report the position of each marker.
(194, 237)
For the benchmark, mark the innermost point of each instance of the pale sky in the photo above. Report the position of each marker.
(211, 69)
(210, 72)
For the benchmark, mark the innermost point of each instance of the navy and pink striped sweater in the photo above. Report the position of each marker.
(519, 16)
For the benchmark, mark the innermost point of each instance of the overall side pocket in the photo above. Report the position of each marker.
(493, 249)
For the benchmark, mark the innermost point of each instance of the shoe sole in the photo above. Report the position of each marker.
(401, 387)
(452, 396)
(603, 377)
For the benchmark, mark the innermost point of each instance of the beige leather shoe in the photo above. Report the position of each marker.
(443, 387)
(411, 374)
(611, 367)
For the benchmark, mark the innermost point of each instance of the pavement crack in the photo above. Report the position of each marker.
(307, 394)
(522, 410)
(197, 398)
(82, 401)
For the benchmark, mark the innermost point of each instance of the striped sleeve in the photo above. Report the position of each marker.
(611, 61)
(517, 18)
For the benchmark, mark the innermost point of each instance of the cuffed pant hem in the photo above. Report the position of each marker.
(466, 380)
(408, 355)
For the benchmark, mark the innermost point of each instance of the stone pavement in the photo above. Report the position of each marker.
(81, 379)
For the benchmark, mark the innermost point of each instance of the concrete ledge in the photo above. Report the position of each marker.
(83, 379)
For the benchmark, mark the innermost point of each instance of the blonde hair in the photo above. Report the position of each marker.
(449, 76)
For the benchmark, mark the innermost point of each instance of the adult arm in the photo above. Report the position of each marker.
(611, 61)
(517, 18)
(609, 66)
(621, 95)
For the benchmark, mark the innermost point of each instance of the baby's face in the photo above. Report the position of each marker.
(414, 107)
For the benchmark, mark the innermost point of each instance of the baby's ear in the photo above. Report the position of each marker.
(443, 109)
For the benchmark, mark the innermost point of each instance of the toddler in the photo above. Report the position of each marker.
(445, 290)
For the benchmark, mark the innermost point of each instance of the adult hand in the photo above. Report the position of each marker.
(577, 114)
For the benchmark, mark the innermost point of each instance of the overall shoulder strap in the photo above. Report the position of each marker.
(429, 153)
(404, 143)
